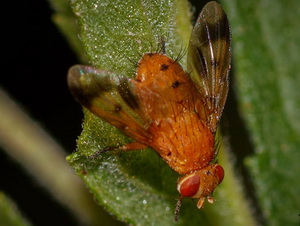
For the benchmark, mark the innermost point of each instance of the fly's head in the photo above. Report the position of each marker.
(201, 184)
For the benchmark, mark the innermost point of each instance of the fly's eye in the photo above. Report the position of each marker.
(220, 173)
(189, 186)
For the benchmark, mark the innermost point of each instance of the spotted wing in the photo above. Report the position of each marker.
(209, 56)
(109, 97)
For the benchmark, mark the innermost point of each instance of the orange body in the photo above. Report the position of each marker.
(169, 98)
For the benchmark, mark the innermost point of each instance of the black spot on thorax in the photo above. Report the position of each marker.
(175, 84)
(164, 67)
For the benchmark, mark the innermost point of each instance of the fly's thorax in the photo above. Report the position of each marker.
(152, 65)
(202, 182)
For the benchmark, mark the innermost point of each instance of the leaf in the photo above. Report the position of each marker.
(9, 214)
(266, 52)
(137, 186)
(64, 19)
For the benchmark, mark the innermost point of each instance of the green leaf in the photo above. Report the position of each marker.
(9, 214)
(267, 51)
(137, 186)
(64, 19)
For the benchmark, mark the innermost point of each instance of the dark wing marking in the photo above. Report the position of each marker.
(111, 98)
(209, 56)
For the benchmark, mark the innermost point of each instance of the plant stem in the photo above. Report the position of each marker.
(26, 142)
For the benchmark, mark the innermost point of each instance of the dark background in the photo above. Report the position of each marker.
(33, 73)
(36, 60)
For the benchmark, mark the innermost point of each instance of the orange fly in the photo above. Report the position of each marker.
(174, 112)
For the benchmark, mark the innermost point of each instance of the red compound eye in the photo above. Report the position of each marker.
(220, 173)
(189, 186)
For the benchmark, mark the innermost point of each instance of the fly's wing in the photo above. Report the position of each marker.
(209, 56)
(109, 97)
